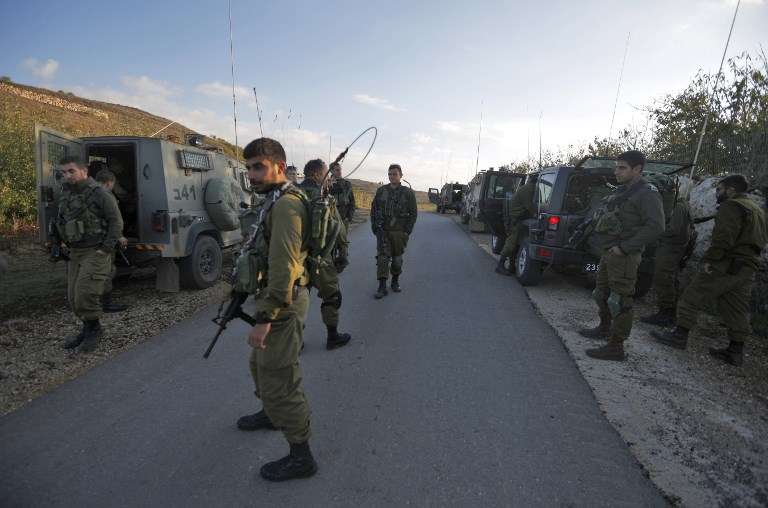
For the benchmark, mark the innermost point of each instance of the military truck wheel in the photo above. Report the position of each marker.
(497, 243)
(202, 268)
(529, 271)
(476, 226)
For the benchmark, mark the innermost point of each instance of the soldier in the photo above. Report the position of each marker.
(520, 208)
(326, 278)
(106, 179)
(393, 215)
(281, 308)
(634, 218)
(341, 189)
(89, 222)
(292, 174)
(670, 252)
(727, 274)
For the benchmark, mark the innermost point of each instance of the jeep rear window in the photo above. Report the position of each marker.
(502, 186)
(586, 190)
(544, 187)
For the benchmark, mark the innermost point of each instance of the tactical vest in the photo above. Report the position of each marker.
(393, 211)
(607, 218)
(341, 192)
(81, 217)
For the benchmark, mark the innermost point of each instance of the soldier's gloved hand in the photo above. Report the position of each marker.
(340, 263)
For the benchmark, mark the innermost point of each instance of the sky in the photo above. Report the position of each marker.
(421, 72)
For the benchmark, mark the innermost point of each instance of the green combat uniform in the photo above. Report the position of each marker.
(520, 208)
(89, 222)
(636, 221)
(393, 215)
(345, 199)
(280, 287)
(733, 257)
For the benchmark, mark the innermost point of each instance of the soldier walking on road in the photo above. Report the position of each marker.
(727, 273)
(106, 179)
(282, 301)
(669, 254)
(341, 189)
(89, 222)
(326, 276)
(393, 215)
(520, 208)
(633, 218)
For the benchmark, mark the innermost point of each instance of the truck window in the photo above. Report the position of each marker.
(502, 186)
(544, 188)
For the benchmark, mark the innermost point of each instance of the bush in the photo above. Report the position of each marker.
(18, 203)
(5, 79)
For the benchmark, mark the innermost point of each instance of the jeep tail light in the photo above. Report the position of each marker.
(544, 252)
(159, 220)
(553, 222)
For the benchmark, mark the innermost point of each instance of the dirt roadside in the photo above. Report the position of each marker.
(698, 427)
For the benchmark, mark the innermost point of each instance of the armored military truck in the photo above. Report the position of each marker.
(484, 198)
(450, 197)
(180, 202)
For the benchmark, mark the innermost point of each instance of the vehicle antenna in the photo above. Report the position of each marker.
(161, 130)
(232, 63)
(541, 115)
(479, 133)
(714, 89)
(258, 111)
(618, 88)
(330, 144)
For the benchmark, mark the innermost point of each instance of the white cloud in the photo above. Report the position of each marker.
(218, 89)
(452, 127)
(421, 139)
(376, 102)
(144, 85)
(43, 70)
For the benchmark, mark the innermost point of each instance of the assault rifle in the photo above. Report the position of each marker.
(234, 310)
(58, 251)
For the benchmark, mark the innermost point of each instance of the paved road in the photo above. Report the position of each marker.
(453, 392)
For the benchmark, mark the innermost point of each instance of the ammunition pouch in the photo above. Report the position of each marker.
(609, 223)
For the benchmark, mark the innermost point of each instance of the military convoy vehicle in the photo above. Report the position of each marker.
(565, 197)
(450, 197)
(484, 199)
(180, 202)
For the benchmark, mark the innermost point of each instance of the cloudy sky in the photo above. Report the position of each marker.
(421, 72)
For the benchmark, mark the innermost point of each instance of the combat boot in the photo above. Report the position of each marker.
(255, 421)
(396, 284)
(336, 339)
(733, 354)
(602, 331)
(613, 351)
(93, 333)
(299, 463)
(664, 318)
(382, 291)
(75, 340)
(107, 305)
(501, 267)
(676, 338)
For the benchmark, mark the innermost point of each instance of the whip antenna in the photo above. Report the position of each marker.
(479, 133)
(618, 89)
(232, 64)
(258, 111)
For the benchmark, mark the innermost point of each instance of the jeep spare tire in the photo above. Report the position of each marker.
(222, 202)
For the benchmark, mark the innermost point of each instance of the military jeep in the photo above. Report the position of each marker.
(180, 202)
(450, 197)
(485, 196)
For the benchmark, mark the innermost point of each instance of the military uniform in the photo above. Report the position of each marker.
(733, 257)
(520, 208)
(393, 215)
(636, 221)
(89, 222)
(345, 199)
(282, 298)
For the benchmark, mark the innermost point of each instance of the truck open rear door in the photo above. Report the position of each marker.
(50, 147)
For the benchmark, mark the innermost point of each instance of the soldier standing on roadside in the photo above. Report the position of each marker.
(106, 179)
(520, 208)
(633, 219)
(393, 215)
(281, 308)
(326, 278)
(89, 222)
(728, 271)
(670, 252)
(341, 189)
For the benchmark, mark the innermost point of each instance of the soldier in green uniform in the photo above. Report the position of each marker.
(520, 208)
(282, 300)
(669, 253)
(341, 189)
(393, 215)
(633, 219)
(729, 265)
(89, 222)
(326, 276)
(106, 179)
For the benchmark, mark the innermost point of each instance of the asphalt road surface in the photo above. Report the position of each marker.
(452, 393)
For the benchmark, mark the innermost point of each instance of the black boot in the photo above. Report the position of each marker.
(664, 318)
(93, 333)
(732, 355)
(382, 291)
(677, 338)
(602, 331)
(298, 464)
(107, 305)
(396, 283)
(501, 267)
(336, 339)
(613, 351)
(255, 421)
(75, 340)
